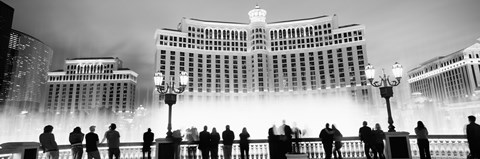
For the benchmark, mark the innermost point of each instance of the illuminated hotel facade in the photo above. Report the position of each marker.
(448, 79)
(87, 84)
(313, 56)
(28, 61)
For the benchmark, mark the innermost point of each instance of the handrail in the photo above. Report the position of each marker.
(349, 138)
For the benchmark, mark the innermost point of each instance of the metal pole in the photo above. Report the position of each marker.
(391, 128)
(169, 127)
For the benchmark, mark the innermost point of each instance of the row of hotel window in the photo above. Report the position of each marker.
(236, 34)
(438, 65)
(235, 58)
(275, 45)
(87, 68)
(91, 77)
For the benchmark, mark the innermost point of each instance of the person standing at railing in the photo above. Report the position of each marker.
(378, 137)
(76, 139)
(177, 139)
(192, 137)
(337, 137)
(473, 137)
(147, 142)
(113, 139)
(326, 135)
(273, 142)
(48, 143)
(365, 134)
(244, 144)
(228, 136)
(91, 142)
(204, 142)
(285, 134)
(422, 140)
(296, 135)
(214, 141)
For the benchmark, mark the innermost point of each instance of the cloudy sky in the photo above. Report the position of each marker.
(407, 31)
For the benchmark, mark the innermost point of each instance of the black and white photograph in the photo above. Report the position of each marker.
(245, 79)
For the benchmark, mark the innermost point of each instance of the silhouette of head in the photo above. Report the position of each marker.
(244, 130)
(365, 123)
(377, 126)
(205, 128)
(471, 118)
(48, 129)
(214, 130)
(149, 130)
(92, 128)
(420, 124)
(113, 126)
(77, 130)
(327, 125)
(227, 127)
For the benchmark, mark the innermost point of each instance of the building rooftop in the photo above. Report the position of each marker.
(90, 58)
(350, 25)
(294, 20)
(212, 21)
(176, 30)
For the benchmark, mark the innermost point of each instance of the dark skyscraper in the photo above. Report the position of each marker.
(6, 18)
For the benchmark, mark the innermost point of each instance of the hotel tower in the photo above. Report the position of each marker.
(225, 60)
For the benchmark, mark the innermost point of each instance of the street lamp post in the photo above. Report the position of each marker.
(386, 87)
(170, 93)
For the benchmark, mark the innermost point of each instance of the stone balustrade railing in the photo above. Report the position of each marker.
(441, 146)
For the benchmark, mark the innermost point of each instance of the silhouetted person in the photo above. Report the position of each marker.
(326, 135)
(177, 139)
(422, 140)
(204, 144)
(273, 143)
(147, 142)
(365, 134)
(192, 137)
(244, 144)
(113, 140)
(473, 137)
(227, 137)
(76, 139)
(214, 141)
(48, 143)
(285, 133)
(91, 143)
(296, 135)
(337, 137)
(378, 136)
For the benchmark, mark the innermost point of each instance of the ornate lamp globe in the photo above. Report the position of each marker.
(397, 70)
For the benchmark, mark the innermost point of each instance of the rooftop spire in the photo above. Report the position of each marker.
(257, 14)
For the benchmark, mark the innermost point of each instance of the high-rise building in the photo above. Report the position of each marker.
(448, 79)
(87, 84)
(311, 56)
(6, 18)
(28, 61)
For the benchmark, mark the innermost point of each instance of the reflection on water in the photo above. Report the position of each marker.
(310, 113)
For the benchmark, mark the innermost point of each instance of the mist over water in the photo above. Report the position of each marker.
(255, 112)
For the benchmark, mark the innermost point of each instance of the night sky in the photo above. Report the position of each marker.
(407, 31)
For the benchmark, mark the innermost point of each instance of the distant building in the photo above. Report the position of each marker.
(28, 61)
(6, 18)
(448, 79)
(302, 56)
(87, 84)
